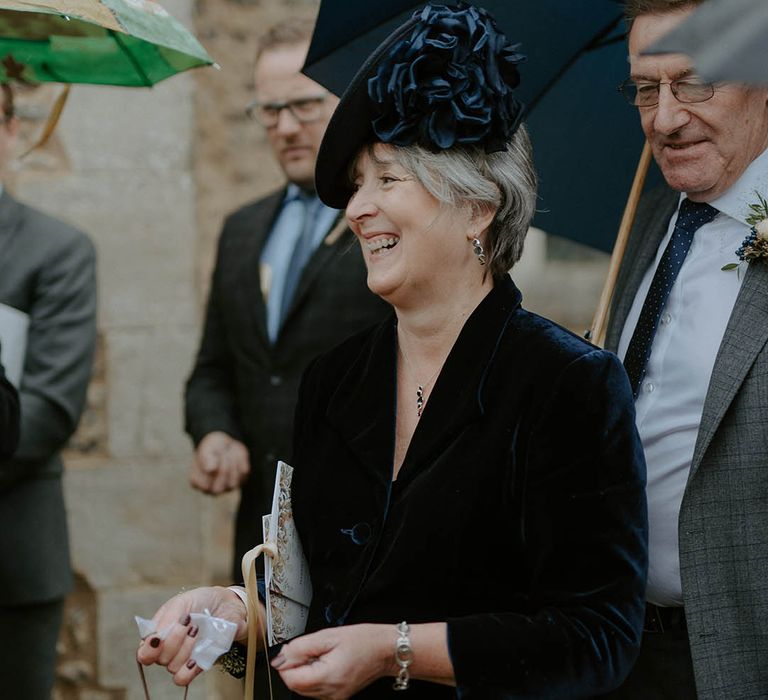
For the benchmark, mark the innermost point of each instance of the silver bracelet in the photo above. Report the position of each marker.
(403, 656)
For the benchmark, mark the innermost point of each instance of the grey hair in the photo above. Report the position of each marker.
(504, 181)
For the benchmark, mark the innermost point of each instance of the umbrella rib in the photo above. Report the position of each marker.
(131, 57)
(51, 71)
(594, 42)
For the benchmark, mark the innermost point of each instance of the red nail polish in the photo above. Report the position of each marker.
(185, 620)
(193, 631)
(191, 663)
(154, 642)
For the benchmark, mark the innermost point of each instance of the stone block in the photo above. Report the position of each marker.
(143, 225)
(135, 524)
(105, 127)
(125, 376)
(170, 354)
(147, 371)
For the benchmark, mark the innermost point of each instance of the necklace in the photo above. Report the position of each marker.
(421, 387)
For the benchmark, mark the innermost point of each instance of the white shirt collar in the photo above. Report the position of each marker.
(736, 200)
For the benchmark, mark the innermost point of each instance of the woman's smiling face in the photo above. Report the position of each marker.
(409, 238)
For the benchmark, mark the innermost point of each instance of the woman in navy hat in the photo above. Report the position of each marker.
(468, 484)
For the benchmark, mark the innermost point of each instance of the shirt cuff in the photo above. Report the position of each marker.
(241, 593)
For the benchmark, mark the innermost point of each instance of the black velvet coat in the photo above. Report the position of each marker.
(518, 516)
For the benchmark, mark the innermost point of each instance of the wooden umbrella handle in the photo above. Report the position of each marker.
(600, 322)
(51, 122)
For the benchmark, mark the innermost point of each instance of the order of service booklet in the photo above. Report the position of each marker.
(288, 587)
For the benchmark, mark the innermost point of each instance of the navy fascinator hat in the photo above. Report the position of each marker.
(445, 78)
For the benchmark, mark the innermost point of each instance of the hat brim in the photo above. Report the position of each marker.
(350, 128)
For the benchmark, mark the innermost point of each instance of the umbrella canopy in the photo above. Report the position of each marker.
(726, 39)
(106, 42)
(586, 139)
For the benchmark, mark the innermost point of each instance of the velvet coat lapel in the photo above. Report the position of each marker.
(456, 398)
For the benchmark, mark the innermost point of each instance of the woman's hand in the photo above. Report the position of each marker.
(173, 651)
(338, 662)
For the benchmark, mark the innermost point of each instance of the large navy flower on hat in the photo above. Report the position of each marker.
(449, 83)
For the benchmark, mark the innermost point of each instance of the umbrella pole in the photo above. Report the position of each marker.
(51, 122)
(597, 332)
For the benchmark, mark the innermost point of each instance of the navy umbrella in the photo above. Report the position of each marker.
(586, 138)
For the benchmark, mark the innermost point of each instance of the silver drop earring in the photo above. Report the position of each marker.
(477, 249)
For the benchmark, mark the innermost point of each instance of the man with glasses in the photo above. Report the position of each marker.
(690, 321)
(289, 283)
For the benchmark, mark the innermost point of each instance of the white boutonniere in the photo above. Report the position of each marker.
(755, 245)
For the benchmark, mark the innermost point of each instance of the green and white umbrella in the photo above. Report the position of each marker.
(104, 42)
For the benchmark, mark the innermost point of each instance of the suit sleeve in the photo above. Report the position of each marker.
(210, 396)
(9, 417)
(584, 529)
(61, 342)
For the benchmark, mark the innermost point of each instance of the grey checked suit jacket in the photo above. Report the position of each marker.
(244, 385)
(47, 270)
(723, 523)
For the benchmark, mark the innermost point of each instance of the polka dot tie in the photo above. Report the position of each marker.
(691, 217)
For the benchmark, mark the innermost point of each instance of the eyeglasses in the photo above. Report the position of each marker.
(303, 109)
(685, 90)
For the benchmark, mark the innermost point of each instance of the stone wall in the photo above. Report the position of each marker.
(149, 174)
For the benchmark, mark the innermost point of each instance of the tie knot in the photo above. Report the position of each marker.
(693, 215)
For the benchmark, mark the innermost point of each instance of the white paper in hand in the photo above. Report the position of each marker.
(214, 638)
(13, 342)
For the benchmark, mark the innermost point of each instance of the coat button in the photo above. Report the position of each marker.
(332, 613)
(359, 534)
(275, 380)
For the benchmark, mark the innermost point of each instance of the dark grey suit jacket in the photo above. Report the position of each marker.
(9, 417)
(47, 270)
(723, 524)
(241, 383)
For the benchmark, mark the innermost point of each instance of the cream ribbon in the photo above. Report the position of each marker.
(254, 615)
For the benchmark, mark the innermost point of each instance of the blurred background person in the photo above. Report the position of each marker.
(466, 466)
(47, 271)
(288, 284)
(693, 338)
